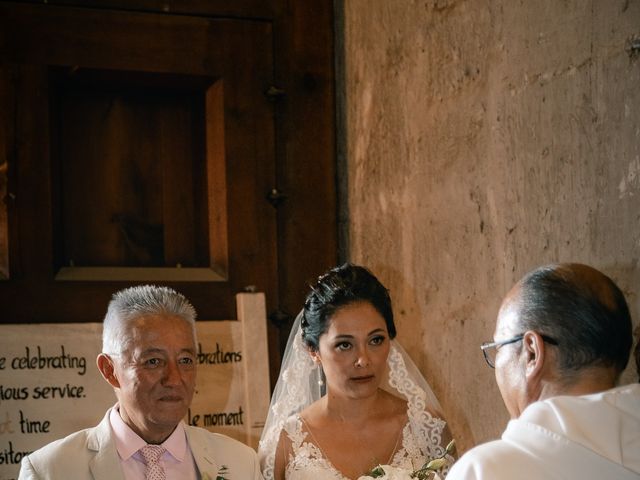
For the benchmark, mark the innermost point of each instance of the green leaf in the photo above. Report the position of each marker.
(436, 464)
(377, 472)
(421, 474)
(451, 447)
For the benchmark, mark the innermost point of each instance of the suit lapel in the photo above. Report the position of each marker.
(105, 465)
(203, 453)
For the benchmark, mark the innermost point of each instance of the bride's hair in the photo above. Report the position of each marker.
(339, 287)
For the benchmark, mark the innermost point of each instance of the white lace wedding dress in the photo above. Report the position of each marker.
(308, 462)
(297, 388)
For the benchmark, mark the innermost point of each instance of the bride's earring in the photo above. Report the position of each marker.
(320, 375)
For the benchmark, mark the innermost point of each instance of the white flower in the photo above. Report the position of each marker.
(390, 473)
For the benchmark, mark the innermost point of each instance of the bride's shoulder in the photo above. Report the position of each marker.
(393, 405)
(312, 413)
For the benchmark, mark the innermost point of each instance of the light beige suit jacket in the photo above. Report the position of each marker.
(91, 455)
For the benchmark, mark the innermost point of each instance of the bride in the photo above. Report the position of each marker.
(348, 398)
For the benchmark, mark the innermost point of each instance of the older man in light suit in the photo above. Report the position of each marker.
(149, 358)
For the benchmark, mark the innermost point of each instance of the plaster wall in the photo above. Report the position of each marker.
(484, 138)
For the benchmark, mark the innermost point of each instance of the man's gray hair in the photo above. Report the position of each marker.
(134, 302)
(583, 310)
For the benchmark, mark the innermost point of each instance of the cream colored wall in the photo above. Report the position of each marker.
(484, 138)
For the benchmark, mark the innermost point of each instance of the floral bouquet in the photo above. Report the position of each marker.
(429, 471)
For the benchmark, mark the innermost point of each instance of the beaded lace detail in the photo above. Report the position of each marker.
(307, 461)
(423, 425)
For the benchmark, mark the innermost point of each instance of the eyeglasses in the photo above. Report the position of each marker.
(490, 349)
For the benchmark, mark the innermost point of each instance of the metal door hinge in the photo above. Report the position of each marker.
(276, 197)
(274, 93)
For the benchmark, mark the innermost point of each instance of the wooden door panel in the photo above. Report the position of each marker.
(229, 136)
(134, 204)
(259, 9)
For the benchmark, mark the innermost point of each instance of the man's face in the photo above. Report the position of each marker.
(510, 368)
(156, 375)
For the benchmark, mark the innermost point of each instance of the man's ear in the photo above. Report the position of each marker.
(535, 355)
(106, 367)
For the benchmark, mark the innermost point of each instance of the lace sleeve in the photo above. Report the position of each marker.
(283, 453)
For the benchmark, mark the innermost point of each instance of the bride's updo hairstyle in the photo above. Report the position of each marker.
(339, 287)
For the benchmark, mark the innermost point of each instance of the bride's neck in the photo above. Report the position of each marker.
(352, 410)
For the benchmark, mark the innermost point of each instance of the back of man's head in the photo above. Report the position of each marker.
(583, 310)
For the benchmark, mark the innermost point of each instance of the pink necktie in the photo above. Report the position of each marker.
(151, 455)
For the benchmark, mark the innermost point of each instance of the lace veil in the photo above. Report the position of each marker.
(298, 387)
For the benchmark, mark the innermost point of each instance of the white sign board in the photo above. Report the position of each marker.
(50, 385)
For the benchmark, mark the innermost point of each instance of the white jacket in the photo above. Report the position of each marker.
(568, 437)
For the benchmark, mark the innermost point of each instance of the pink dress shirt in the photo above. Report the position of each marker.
(177, 461)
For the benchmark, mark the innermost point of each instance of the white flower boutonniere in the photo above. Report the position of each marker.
(221, 475)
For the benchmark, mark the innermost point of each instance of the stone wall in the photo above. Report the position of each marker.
(483, 138)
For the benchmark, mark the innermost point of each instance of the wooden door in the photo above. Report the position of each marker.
(140, 148)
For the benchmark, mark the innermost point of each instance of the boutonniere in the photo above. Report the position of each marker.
(429, 471)
(224, 470)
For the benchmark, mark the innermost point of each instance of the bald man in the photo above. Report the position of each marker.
(562, 339)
